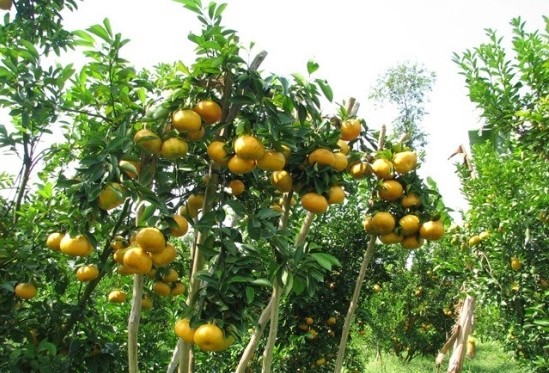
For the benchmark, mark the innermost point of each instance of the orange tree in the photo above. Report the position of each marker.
(506, 228)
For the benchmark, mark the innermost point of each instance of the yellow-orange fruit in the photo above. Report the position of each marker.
(240, 166)
(76, 246)
(148, 141)
(404, 162)
(271, 161)
(314, 202)
(217, 153)
(383, 168)
(350, 129)
(408, 224)
(164, 257)
(87, 273)
(54, 240)
(390, 190)
(336, 194)
(282, 181)
(249, 147)
(138, 260)
(181, 227)
(209, 111)
(150, 239)
(186, 120)
(383, 222)
(321, 157)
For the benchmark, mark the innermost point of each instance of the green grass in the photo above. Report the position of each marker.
(490, 358)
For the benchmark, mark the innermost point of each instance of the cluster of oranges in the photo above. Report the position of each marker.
(208, 336)
(398, 212)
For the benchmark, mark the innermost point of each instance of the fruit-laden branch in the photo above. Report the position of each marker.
(77, 313)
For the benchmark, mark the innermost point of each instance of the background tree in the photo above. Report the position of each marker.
(406, 86)
(506, 230)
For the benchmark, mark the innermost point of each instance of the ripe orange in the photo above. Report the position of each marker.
(150, 239)
(377, 288)
(240, 166)
(117, 296)
(322, 157)
(25, 290)
(148, 141)
(383, 222)
(196, 135)
(77, 246)
(87, 273)
(210, 111)
(130, 168)
(181, 227)
(186, 120)
(249, 147)
(314, 202)
(177, 289)
(174, 148)
(309, 320)
(161, 288)
(336, 194)
(209, 337)
(412, 241)
(484, 235)
(196, 201)
(237, 187)
(184, 331)
(119, 255)
(217, 153)
(359, 170)
(410, 200)
(118, 242)
(515, 263)
(282, 181)
(340, 162)
(111, 196)
(271, 161)
(146, 303)
(432, 230)
(343, 146)
(408, 224)
(54, 240)
(6, 4)
(390, 190)
(138, 260)
(368, 224)
(171, 276)
(331, 321)
(475, 240)
(390, 238)
(404, 162)
(125, 270)
(165, 256)
(321, 361)
(350, 129)
(383, 168)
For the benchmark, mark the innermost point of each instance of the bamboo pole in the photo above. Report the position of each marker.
(133, 323)
(465, 328)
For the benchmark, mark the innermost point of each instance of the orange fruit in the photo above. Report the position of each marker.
(146, 303)
(336, 194)
(174, 148)
(130, 168)
(271, 161)
(117, 296)
(6, 4)
(340, 162)
(209, 111)
(368, 224)
(383, 168)
(119, 255)
(237, 187)
(343, 146)
(359, 170)
(87, 273)
(186, 120)
(383, 222)
(432, 230)
(282, 181)
(321, 157)
(184, 331)
(77, 246)
(390, 238)
(390, 190)
(165, 256)
(412, 241)
(124, 270)
(138, 260)
(408, 224)
(240, 166)
(515, 263)
(209, 337)
(350, 129)
(309, 320)
(196, 135)
(249, 147)
(331, 320)
(314, 202)
(171, 276)
(161, 288)
(217, 153)
(111, 196)
(118, 243)
(148, 141)
(196, 201)
(377, 288)
(54, 240)
(181, 226)
(177, 289)
(150, 239)
(25, 290)
(410, 200)
(404, 162)
(475, 240)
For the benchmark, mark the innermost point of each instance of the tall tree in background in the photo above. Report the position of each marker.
(406, 86)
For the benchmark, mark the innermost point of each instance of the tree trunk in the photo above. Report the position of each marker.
(465, 328)
(133, 323)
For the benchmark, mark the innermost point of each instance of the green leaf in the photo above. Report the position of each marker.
(146, 215)
(262, 282)
(326, 89)
(250, 294)
(326, 261)
(101, 32)
(312, 66)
